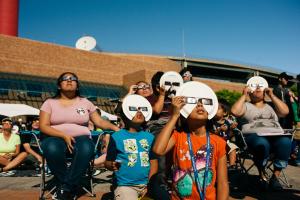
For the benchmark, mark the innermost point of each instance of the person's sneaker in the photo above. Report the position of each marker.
(263, 184)
(96, 172)
(8, 173)
(275, 184)
(54, 196)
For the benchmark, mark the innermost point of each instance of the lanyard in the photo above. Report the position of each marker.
(198, 184)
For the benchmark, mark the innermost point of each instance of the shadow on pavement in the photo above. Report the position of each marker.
(243, 185)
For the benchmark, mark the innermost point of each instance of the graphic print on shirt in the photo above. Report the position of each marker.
(144, 159)
(144, 144)
(184, 179)
(80, 111)
(130, 146)
(132, 159)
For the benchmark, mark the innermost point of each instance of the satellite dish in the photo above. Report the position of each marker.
(86, 43)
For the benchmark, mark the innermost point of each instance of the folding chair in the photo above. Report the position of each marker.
(43, 194)
(243, 153)
(269, 168)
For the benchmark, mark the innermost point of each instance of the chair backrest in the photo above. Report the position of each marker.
(239, 139)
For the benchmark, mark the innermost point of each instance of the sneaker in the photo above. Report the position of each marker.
(275, 184)
(8, 173)
(96, 172)
(263, 184)
(54, 196)
(63, 195)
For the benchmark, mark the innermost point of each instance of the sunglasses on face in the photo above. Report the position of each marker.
(168, 83)
(195, 100)
(133, 108)
(69, 78)
(143, 87)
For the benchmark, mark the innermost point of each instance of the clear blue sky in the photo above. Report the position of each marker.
(254, 32)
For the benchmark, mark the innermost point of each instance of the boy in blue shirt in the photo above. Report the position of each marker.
(129, 152)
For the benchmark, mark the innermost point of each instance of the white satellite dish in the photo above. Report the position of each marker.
(86, 43)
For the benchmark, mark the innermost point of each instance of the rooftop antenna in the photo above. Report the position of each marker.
(183, 50)
(87, 43)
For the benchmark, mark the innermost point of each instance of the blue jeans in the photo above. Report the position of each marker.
(56, 153)
(262, 146)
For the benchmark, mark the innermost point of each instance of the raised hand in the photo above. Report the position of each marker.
(132, 89)
(246, 91)
(269, 92)
(177, 103)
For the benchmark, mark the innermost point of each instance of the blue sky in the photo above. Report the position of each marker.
(254, 32)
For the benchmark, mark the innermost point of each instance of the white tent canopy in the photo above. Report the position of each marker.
(12, 110)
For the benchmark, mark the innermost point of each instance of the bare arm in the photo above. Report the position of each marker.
(112, 165)
(29, 150)
(164, 142)
(17, 151)
(280, 107)
(46, 128)
(238, 109)
(153, 168)
(101, 123)
(159, 104)
(222, 179)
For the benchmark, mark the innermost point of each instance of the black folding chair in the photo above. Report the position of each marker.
(243, 153)
(43, 189)
(269, 168)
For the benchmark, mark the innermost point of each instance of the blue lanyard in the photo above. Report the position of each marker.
(198, 184)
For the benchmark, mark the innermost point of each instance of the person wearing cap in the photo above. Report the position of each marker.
(10, 155)
(283, 93)
(27, 138)
(186, 75)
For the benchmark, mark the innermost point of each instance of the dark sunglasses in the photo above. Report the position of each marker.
(132, 108)
(69, 78)
(195, 100)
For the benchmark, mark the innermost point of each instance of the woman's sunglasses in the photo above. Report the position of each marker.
(69, 78)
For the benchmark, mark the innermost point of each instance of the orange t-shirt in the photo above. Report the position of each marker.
(183, 175)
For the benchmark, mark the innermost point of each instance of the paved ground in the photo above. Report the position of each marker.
(242, 187)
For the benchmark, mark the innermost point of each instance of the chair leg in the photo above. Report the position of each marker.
(284, 179)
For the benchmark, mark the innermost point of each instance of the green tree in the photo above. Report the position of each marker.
(229, 96)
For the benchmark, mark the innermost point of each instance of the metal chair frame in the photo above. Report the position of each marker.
(42, 193)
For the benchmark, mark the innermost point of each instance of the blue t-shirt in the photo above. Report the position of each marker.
(134, 150)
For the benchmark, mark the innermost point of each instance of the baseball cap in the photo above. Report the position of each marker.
(285, 76)
(6, 120)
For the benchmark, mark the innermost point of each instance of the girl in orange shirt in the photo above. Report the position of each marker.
(199, 157)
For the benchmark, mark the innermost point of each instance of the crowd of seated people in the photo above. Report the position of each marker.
(152, 135)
